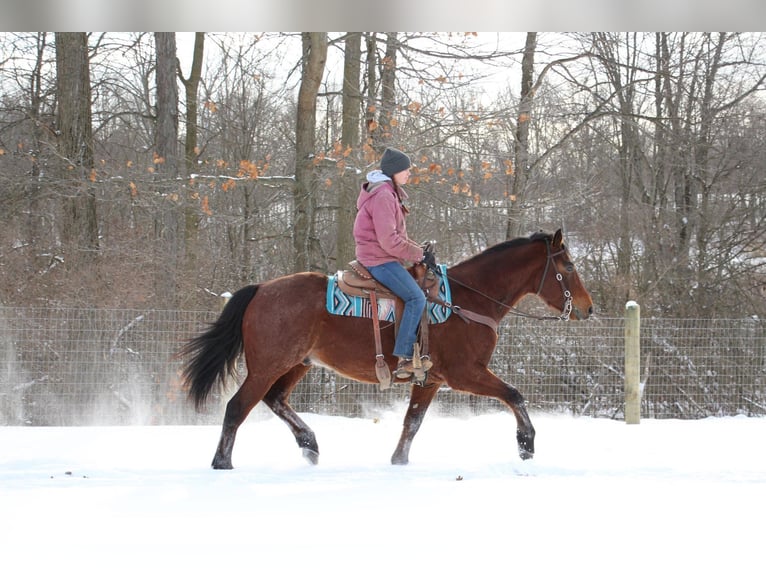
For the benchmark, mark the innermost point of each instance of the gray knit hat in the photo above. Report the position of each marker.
(394, 161)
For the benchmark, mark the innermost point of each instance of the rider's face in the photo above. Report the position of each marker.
(402, 177)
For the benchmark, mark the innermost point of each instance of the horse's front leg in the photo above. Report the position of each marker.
(525, 432)
(484, 382)
(420, 399)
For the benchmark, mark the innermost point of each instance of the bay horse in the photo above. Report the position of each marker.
(283, 328)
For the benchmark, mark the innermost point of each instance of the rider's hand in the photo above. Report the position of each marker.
(429, 260)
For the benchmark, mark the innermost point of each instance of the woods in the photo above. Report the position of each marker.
(160, 170)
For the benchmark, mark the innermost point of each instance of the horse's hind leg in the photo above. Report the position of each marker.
(237, 409)
(276, 399)
(420, 399)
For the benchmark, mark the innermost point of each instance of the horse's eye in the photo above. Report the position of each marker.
(569, 267)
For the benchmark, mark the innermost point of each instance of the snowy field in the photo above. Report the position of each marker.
(600, 496)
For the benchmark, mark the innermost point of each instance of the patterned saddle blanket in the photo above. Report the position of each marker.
(339, 303)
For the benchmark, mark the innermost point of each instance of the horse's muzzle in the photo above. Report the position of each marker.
(580, 314)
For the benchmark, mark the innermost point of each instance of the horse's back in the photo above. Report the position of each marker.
(306, 280)
(291, 296)
(290, 301)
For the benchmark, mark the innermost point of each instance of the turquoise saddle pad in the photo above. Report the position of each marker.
(338, 303)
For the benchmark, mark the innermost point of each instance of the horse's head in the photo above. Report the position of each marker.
(560, 286)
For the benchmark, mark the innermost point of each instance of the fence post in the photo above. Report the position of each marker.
(632, 362)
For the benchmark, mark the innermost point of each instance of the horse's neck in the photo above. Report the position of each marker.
(492, 285)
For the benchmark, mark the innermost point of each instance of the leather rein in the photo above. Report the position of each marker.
(467, 315)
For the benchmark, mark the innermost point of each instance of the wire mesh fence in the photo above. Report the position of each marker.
(117, 366)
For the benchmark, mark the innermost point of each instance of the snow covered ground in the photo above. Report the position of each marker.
(600, 496)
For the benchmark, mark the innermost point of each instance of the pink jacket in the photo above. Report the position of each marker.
(380, 231)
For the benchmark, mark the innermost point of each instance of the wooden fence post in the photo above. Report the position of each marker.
(632, 362)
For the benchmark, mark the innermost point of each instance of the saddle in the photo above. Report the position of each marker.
(358, 282)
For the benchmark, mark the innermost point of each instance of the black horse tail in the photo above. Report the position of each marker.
(213, 354)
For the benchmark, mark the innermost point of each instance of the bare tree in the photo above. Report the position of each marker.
(191, 150)
(387, 93)
(520, 166)
(619, 60)
(191, 87)
(168, 229)
(41, 131)
(305, 190)
(350, 146)
(166, 130)
(371, 74)
(79, 225)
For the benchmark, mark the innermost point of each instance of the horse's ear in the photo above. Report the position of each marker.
(557, 238)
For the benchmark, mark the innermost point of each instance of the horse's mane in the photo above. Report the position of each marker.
(510, 244)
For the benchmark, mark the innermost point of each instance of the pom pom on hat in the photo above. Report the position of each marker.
(394, 161)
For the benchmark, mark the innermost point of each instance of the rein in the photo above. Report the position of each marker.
(565, 313)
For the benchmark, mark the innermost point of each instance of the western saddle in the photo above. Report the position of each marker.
(358, 282)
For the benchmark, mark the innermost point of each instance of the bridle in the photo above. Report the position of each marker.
(565, 312)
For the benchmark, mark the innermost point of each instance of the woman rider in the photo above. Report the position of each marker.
(383, 247)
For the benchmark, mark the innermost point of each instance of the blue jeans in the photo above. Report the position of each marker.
(394, 276)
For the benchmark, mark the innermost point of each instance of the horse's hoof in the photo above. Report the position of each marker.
(526, 454)
(526, 443)
(222, 465)
(310, 455)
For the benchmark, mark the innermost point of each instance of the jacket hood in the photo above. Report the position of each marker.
(375, 180)
(377, 176)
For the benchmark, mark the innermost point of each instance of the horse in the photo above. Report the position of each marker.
(284, 328)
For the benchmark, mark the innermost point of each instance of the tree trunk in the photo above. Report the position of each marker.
(387, 92)
(34, 227)
(521, 142)
(191, 87)
(703, 171)
(305, 190)
(191, 207)
(372, 80)
(167, 224)
(349, 184)
(621, 77)
(79, 225)
(166, 134)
